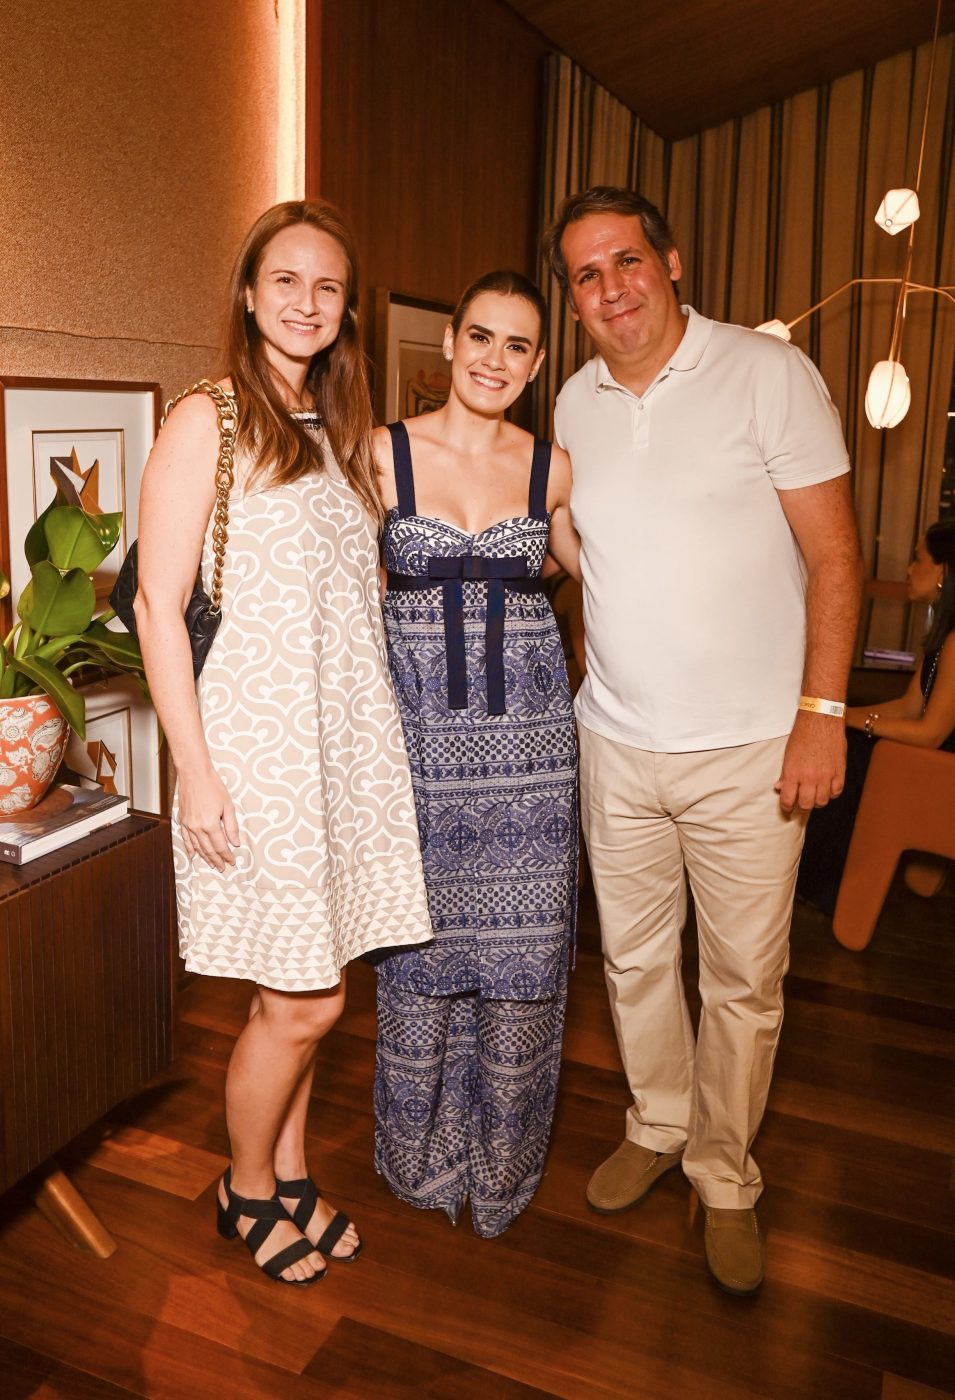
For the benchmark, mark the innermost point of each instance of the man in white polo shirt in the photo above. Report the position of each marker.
(721, 583)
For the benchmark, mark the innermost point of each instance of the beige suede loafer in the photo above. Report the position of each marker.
(735, 1254)
(627, 1176)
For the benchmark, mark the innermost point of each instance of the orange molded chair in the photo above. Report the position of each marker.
(908, 804)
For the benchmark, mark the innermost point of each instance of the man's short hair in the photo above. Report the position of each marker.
(606, 199)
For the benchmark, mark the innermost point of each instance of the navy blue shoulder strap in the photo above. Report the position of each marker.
(404, 475)
(540, 470)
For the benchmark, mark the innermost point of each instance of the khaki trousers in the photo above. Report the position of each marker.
(650, 820)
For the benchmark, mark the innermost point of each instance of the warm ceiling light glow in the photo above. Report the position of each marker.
(898, 211)
(290, 128)
(887, 395)
(775, 327)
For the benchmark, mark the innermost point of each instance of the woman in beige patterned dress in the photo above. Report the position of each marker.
(294, 827)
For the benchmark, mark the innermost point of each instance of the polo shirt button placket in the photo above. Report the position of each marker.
(641, 425)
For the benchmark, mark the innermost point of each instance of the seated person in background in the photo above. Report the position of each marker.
(924, 715)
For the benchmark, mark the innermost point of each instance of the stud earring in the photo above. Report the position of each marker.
(448, 355)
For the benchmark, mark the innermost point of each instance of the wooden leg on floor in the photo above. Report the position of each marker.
(65, 1208)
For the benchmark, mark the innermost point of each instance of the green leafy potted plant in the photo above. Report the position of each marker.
(56, 640)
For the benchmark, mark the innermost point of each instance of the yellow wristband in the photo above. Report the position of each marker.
(817, 706)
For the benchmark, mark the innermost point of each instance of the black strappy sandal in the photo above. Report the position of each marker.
(266, 1215)
(307, 1194)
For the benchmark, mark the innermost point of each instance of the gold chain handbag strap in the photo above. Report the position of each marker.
(225, 475)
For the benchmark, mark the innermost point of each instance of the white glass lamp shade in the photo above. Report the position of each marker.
(778, 328)
(888, 394)
(898, 210)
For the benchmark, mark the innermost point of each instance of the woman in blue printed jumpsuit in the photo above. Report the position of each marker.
(470, 1027)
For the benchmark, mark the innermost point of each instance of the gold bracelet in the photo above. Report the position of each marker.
(817, 706)
(869, 725)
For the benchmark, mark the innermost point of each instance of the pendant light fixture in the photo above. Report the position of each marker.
(888, 392)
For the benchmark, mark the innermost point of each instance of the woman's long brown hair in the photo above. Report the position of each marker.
(281, 449)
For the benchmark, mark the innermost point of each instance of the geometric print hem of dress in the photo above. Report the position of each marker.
(292, 938)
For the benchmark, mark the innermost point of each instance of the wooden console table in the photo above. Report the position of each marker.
(86, 983)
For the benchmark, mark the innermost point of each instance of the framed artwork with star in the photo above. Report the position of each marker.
(121, 751)
(88, 437)
(89, 440)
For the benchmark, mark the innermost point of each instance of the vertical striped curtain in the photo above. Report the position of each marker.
(773, 211)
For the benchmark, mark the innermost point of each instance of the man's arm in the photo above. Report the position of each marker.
(823, 521)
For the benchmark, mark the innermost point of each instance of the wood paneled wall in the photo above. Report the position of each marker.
(426, 132)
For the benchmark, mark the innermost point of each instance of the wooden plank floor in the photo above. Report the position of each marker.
(856, 1150)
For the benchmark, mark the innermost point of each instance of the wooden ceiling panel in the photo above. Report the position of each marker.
(684, 65)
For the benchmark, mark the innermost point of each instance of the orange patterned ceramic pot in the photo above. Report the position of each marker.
(33, 736)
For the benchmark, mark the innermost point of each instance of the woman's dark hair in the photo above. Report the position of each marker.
(337, 376)
(607, 199)
(505, 283)
(940, 543)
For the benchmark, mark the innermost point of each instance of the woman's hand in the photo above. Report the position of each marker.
(910, 720)
(207, 819)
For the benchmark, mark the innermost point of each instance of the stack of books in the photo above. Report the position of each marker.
(64, 815)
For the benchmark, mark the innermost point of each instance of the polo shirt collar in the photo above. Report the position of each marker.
(687, 354)
(696, 337)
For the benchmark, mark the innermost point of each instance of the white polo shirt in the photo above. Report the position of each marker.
(694, 588)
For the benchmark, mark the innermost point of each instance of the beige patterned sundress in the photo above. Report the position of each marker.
(303, 728)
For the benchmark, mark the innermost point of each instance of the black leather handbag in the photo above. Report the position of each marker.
(203, 611)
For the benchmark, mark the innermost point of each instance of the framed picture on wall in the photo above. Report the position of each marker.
(411, 373)
(95, 435)
(121, 749)
(91, 438)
